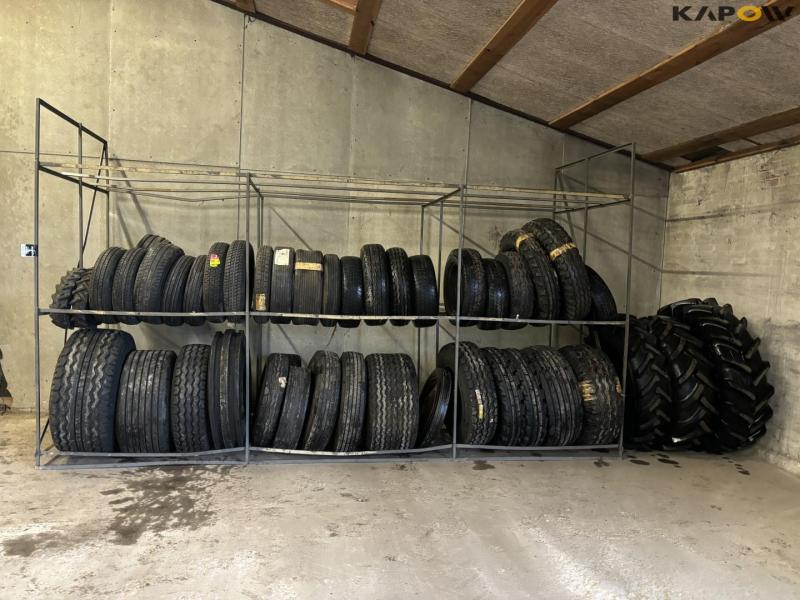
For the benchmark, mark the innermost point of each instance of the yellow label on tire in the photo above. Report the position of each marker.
(213, 261)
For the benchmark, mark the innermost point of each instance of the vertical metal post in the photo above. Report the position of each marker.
(80, 196)
(439, 270)
(36, 358)
(461, 226)
(631, 200)
(585, 248)
(104, 161)
(419, 329)
(247, 322)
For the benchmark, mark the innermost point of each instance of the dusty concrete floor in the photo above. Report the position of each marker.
(703, 527)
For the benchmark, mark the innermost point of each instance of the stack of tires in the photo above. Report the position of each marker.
(344, 403)
(695, 378)
(538, 396)
(106, 396)
(538, 274)
(377, 283)
(156, 276)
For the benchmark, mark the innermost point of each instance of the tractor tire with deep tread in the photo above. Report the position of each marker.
(62, 297)
(80, 301)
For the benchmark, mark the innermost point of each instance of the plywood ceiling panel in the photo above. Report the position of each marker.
(314, 16)
(581, 48)
(438, 38)
(756, 79)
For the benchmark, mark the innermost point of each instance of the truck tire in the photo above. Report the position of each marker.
(521, 293)
(101, 284)
(392, 414)
(237, 277)
(603, 307)
(331, 288)
(376, 282)
(188, 404)
(533, 413)
(293, 413)
(352, 408)
(214, 280)
(434, 401)
(123, 289)
(83, 394)
(509, 406)
(270, 398)
(497, 294)
(143, 403)
(424, 290)
(352, 290)
(262, 284)
(326, 387)
(473, 285)
(175, 289)
(193, 292)
(399, 284)
(540, 271)
(477, 398)
(307, 286)
(282, 284)
(151, 278)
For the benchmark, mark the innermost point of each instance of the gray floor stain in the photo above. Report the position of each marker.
(156, 501)
(481, 465)
(668, 461)
(639, 461)
(599, 463)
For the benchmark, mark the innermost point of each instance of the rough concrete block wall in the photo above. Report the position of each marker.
(194, 83)
(732, 233)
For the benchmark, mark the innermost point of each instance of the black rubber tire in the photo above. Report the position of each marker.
(80, 301)
(573, 282)
(213, 390)
(521, 293)
(424, 290)
(375, 266)
(497, 293)
(307, 293)
(331, 288)
(392, 414)
(270, 398)
(62, 297)
(143, 402)
(175, 289)
(122, 291)
(434, 402)
(473, 285)
(152, 277)
(293, 413)
(648, 391)
(477, 397)
(693, 418)
(232, 388)
(102, 283)
(509, 399)
(399, 284)
(282, 283)
(83, 394)
(352, 290)
(262, 284)
(188, 412)
(562, 394)
(238, 275)
(326, 387)
(193, 292)
(533, 413)
(603, 307)
(601, 392)
(540, 272)
(353, 404)
(740, 373)
(150, 239)
(214, 280)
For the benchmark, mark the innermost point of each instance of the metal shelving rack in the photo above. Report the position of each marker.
(256, 191)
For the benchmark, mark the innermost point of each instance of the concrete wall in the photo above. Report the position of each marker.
(732, 233)
(194, 83)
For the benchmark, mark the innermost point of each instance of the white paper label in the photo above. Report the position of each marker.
(282, 257)
(282, 381)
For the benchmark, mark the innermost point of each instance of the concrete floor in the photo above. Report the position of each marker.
(684, 526)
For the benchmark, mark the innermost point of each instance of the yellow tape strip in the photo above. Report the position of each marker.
(561, 249)
(521, 238)
(306, 266)
(587, 390)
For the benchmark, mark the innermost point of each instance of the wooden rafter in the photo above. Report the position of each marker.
(738, 132)
(691, 56)
(366, 12)
(524, 17)
(346, 5)
(707, 162)
(246, 6)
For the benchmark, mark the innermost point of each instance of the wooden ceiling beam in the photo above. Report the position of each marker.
(245, 6)
(521, 21)
(346, 5)
(366, 13)
(738, 132)
(697, 53)
(707, 162)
